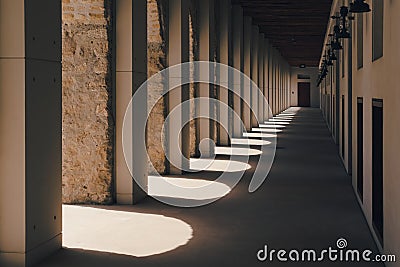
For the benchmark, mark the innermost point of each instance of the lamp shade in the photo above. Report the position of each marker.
(359, 6)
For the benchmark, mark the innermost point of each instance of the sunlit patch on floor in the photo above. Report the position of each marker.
(218, 165)
(237, 151)
(259, 135)
(250, 142)
(280, 120)
(120, 232)
(271, 125)
(273, 122)
(187, 188)
(284, 116)
(267, 130)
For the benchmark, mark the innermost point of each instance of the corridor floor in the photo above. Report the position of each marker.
(306, 202)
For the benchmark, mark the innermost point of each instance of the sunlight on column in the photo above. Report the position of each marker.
(120, 232)
(251, 142)
(237, 151)
(218, 165)
(187, 188)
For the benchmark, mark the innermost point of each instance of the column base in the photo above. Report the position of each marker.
(32, 257)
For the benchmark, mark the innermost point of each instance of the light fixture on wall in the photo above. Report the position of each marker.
(323, 72)
(359, 6)
(340, 31)
(332, 55)
(327, 59)
(335, 43)
(343, 23)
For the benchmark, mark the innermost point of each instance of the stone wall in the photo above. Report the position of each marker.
(193, 56)
(214, 92)
(157, 58)
(88, 126)
(157, 53)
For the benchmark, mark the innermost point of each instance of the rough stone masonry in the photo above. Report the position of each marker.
(88, 120)
(88, 124)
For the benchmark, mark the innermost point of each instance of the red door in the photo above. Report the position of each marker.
(304, 94)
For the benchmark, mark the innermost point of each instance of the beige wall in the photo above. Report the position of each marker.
(314, 93)
(339, 74)
(378, 79)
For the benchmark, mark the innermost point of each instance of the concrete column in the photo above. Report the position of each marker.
(178, 52)
(270, 79)
(246, 93)
(224, 39)
(206, 53)
(276, 84)
(284, 88)
(274, 68)
(287, 86)
(261, 78)
(131, 72)
(30, 132)
(281, 90)
(273, 88)
(266, 78)
(254, 75)
(237, 47)
(280, 86)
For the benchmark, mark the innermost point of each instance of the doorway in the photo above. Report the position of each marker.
(360, 147)
(304, 94)
(377, 167)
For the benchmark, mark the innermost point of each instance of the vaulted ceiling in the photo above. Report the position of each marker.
(295, 27)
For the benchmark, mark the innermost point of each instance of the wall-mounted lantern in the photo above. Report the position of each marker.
(343, 23)
(359, 6)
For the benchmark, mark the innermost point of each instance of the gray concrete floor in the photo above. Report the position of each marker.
(307, 202)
